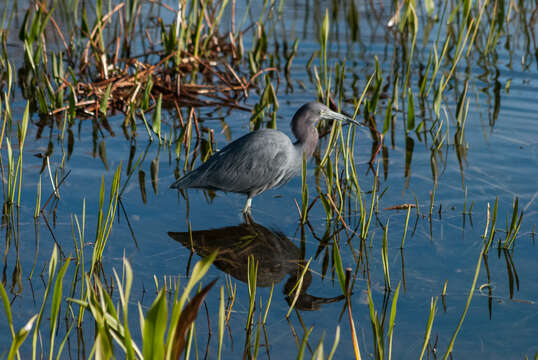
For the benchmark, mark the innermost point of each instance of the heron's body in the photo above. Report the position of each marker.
(255, 162)
(260, 160)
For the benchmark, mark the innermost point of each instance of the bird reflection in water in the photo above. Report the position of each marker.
(276, 254)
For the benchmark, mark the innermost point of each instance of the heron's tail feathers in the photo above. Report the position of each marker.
(184, 182)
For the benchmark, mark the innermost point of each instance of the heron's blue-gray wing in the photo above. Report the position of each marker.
(251, 164)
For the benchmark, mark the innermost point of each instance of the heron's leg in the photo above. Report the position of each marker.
(247, 217)
(246, 209)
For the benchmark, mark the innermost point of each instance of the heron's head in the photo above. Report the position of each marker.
(303, 124)
(309, 114)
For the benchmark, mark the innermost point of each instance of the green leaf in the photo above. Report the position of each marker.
(438, 97)
(430, 6)
(156, 120)
(200, 269)
(325, 31)
(388, 117)
(339, 268)
(393, 317)
(410, 110)
(57, 294)
(24, 126)
(304, 207)
(221, 322)
(385, 256)
(297, 288)
(124, 291)
(9, 151)
(375, 324)
(7, 308)
(429, 324)
(300, 355)
(187, 318)
(155, 327)
(335, 343)
(467, 304)
(104, 100)
(20, 337)
(147, 92)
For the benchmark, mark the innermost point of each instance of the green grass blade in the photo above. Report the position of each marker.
(392, 318)
(433, 311)
(52, 270)
(385, 256)
(410, 110)
(20, 337)
(467, 304)
(156, 120)
(268, 303)
(335, 343)
(221, 322)
(339, 267)
(406, 225)
(200, 269)
(155, 324)
(57, 296)
(7, 308)
(298, 288)
(300, 354)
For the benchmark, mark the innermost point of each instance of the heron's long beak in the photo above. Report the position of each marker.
(332, 115)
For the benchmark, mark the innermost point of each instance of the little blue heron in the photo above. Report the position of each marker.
(262, 159)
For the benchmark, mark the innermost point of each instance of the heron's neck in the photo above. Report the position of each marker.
(307, 140)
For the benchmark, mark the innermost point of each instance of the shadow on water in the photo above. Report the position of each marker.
(276, 254)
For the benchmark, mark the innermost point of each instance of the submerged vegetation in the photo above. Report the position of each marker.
(74, 72)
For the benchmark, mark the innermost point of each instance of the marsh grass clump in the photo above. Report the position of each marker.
(108, 68)
(164, 333)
